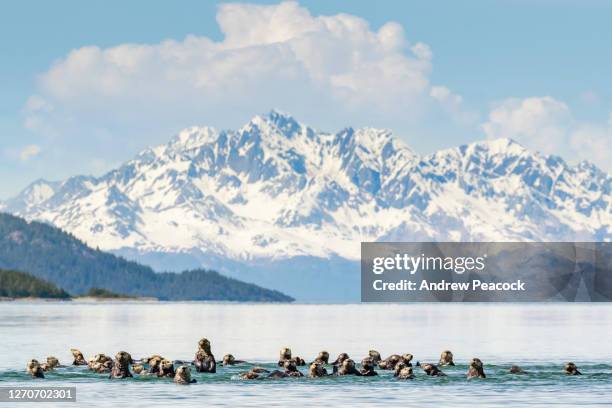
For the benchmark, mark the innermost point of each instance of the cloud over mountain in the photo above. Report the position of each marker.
(270, 55)
(547, 125)
(104, 104)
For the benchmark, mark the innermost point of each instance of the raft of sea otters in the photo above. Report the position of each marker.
(205, 362)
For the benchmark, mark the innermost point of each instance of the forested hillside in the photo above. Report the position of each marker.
(16, 284)
(58, 257)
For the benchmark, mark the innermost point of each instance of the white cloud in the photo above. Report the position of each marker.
(593, 142)
(330, 71)
(539, 122)
(29, 152)
(270, 56)
(547, 125)
(453, 104)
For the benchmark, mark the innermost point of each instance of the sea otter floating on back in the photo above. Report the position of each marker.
(229, 359)
(254, 373)
(290, 370)
(390, 362)
(51, 364)
(432, 370)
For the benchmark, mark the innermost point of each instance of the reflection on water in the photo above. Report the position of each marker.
(538, 336)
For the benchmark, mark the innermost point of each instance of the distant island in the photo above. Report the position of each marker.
(15, 284)
(100, 293)
(56, 257)
(20, 285)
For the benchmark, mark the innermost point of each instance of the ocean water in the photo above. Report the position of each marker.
(539, 337)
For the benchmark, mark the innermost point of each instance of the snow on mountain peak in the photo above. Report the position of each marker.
(275, 122)
(504, 145)
(193, 137)
(33, 195)
(277, 189)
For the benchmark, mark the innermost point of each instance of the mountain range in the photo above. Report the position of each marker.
(283, 205)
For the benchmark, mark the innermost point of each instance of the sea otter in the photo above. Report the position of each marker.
(316, 370)
(78, 357)
(166, 369)
(284, 355)
(406, 359)
(405, 374)
(121, 365)
(390, 362)
(147, 360)
(446, 359)
(102, 368)
(254, 373)
(517, 370)
(154, 364)
(476, 369)
(100, 364)
(398, 367)
(138, 368)
(98, 358)
(431, 370)
(291, 369)
(250, 375)
(367, 367)
(183, 376)
(375, 356)
(34, 369)
(571, 369)
(322, 358)
(204, 359)
(51, 364)
(348, 368)
(229, 359)
(336, 364)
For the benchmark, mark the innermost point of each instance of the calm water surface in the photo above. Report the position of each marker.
(539, 337)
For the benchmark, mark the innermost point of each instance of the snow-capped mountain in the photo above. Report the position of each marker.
(277, 190)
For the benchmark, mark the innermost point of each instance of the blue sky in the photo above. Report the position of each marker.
(538, 71)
